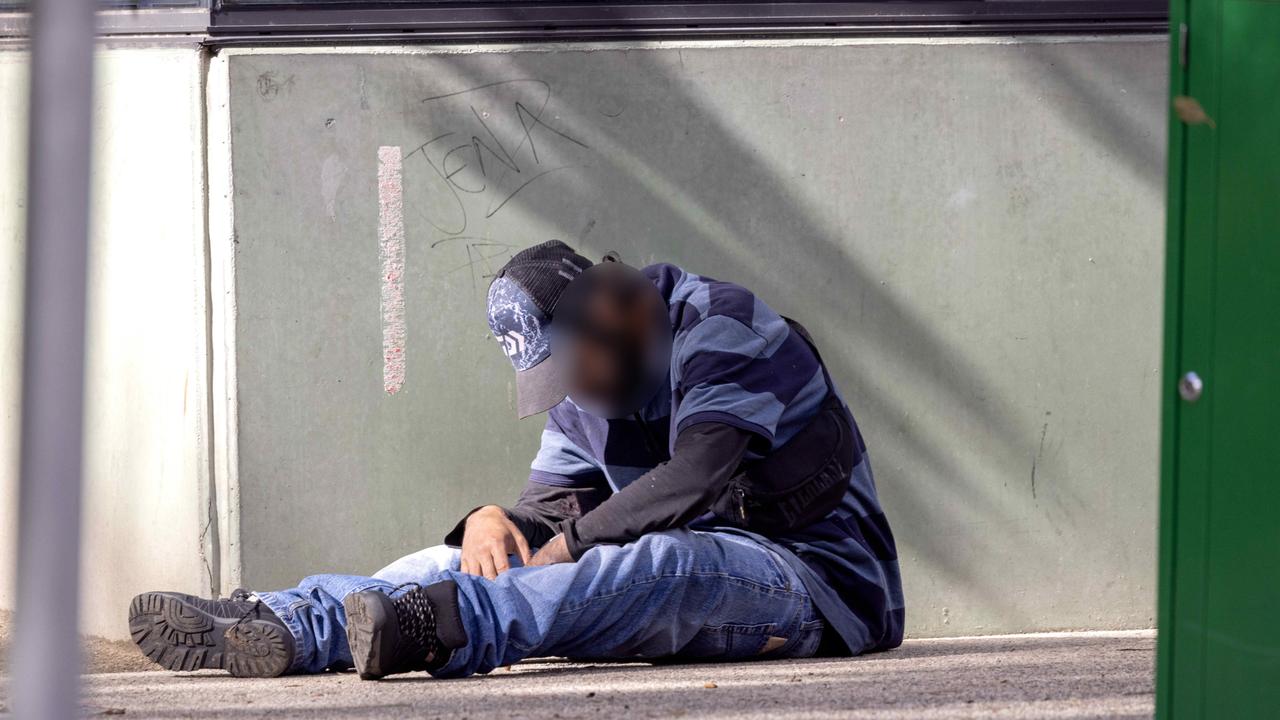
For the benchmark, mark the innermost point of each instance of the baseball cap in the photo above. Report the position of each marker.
(522, 300)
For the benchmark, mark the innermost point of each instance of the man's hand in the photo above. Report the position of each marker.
(555, 551)
(489, 538)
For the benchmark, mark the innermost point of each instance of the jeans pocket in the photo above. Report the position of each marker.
(802, 643)
(728, 642)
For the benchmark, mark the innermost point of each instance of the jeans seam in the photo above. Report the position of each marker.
(768, 628)
(655, 578)
(741, 580)
(291, 622)
(524, 649)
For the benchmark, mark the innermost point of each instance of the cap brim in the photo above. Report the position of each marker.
(539, 388)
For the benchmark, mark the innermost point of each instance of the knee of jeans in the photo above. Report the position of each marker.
(445, 556)
(420, 564)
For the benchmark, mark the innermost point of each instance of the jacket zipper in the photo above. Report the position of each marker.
(740, 500)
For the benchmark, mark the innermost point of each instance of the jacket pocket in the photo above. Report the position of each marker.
(800, 482)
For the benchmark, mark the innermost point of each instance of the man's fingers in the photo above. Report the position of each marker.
(500, 562)
(486, 567)
(522, 545)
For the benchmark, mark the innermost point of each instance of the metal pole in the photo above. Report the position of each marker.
(46, 652)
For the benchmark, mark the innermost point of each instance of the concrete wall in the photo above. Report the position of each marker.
(13, 128)
(147, 461)
(972, 229)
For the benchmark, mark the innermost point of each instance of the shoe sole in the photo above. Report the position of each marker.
(180, 636)
(372, 632)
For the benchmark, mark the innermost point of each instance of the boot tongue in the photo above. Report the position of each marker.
(450, 633)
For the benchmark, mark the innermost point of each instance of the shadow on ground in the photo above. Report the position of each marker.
(1068, 675)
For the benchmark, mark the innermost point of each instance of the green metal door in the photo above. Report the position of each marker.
(1219, 617)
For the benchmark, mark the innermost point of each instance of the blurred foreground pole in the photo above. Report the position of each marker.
(45, 659)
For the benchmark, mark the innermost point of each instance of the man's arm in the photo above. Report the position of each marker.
(564, 482)
(671, 495)
(539, 510)
(489, 534)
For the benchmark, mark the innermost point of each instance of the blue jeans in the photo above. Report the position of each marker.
(682, 593)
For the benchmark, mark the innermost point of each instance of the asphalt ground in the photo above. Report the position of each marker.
(1058, 675)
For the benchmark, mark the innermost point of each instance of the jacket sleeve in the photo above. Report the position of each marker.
(564, 483)
(540, 510)
(671, 495)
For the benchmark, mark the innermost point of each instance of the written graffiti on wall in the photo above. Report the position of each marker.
(485, 150)
(490, 147)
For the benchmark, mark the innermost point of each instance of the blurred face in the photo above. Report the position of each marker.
(613, 336)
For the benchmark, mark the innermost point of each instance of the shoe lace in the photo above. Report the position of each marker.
(242, 595)
(416, 619)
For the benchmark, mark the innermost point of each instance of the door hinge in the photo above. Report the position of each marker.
(1183, 32)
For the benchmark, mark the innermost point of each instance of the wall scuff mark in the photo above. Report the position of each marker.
(391, 253)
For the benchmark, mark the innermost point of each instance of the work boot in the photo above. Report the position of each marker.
(184, 632)
(416, 631)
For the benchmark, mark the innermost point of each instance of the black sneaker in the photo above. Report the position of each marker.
(416, 631)
(184, 632)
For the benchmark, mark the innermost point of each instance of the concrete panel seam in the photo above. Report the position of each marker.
(207, 494)
(222, 321)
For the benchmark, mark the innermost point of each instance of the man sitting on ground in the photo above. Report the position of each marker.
(701, 492)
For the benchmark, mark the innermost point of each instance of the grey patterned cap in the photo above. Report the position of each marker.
(522, 299)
